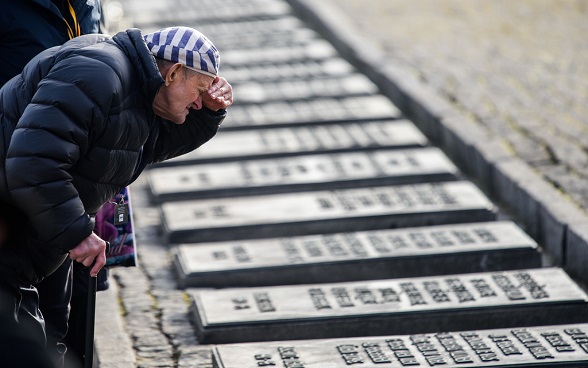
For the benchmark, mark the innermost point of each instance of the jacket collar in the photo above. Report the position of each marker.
(132, 43)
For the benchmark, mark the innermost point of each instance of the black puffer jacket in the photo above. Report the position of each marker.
(77, 126)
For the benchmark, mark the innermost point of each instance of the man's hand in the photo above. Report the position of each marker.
(90, 250)
(219, 96)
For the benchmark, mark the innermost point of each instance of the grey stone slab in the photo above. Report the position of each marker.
(319, 110)
(300, 140)
(505, 299)
(243, 39)
(525, 347)
(315, 212)
(316, 50)
(380, 254)
(184, 12)
(255, 27)
(305, 69)
(300, 173)
(292, 90)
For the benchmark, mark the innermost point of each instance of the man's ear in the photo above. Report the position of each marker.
(172, 73)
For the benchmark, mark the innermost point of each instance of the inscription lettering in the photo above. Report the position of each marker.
(375, 353)
(414, 296)
(458, 288)
(420, 240)
(511, 291)
(379, 245)
(351, 354)
(537, 291)
(313, 248)
(579, 337)
(264, 303)
(486, 235)
(532, 344)
(483, 288)
(290, 357)
(402, 352)
(264, 360)
(240, 303)
(428, 350)
(438, 295)
(505, 345)
(365, 295)
(557, 341)
(441, 238)
(482, 350)
(291, 251)
(319, 300)
(454, 348)
(241, 254)
(342, 297)
(355, 245)
(389, 295)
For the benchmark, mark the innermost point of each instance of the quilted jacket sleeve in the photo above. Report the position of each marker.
(50, 137)
(177, 139)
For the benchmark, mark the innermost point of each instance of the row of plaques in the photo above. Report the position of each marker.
(376, 242)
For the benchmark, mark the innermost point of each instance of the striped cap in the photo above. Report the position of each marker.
(186, 46)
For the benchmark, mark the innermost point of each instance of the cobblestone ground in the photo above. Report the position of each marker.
(519, 68)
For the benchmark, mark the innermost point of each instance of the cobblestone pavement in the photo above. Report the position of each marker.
(519, 68)
(516, 68)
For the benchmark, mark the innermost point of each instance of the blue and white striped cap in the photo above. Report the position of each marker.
(186, 46)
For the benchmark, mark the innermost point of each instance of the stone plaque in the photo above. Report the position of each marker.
(319, 138)
(316, 212)
(299, 173)
(537, 346)
(388, 307)
(380, 254)
(318, 110)
(261, 92)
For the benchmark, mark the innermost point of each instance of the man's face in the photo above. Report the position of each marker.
(183, 90)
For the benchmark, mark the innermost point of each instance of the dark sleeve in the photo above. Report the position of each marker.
(50, 137)
(177, 139)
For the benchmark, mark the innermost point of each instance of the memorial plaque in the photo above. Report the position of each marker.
(317, 212)
(305, 69)
(262, 92)
(366, 255)
(505, 299)
(318, 110)
(299, 173)
(319, 138)
(523, 347)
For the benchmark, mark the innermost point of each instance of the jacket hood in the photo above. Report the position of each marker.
(132, 43)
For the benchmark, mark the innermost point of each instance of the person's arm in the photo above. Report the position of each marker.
(200, 125)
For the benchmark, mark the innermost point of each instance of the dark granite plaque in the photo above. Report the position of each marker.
(506, 299)
(318, 110)
(299, 173)
(328, 138)
(422, 251)
(317, 212)
(524, 347)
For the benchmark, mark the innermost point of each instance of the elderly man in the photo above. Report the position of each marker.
(81, 122)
